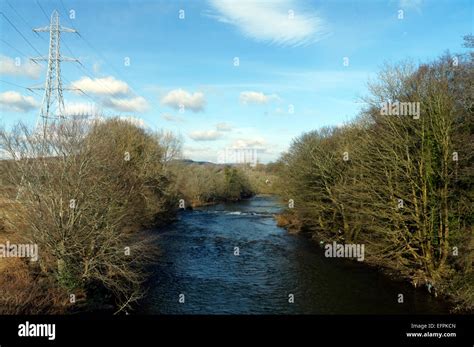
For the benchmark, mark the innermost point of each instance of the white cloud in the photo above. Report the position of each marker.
(179, 98)
(257, 142)
(19, 67)
(135, 121)
(136, 104)
(249, 97)
(102, 86)
(224, 126)
(16, 102)
(271, 21)
(413, 4)
(205, 135)
(171, 118)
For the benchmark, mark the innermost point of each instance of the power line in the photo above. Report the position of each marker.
(119, 74)
(51, 90)
(42, 10)
(13, 84)
(52, 108)
(81, 66)
(70, 51)
(14, 10)
(84, 69)
(65, 10)
(19, 32)
(23, 19)
(16, 49)
(81, 91)
(24, 55)
(18, 86)
(108, 62)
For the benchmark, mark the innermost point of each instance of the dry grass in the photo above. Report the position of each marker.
(289, 221)
(24, 289)
(25, 292)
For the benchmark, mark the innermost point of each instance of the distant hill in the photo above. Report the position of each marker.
(190, 161)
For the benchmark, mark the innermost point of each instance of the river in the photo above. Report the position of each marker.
(199, 260)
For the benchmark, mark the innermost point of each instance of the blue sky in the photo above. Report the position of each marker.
(182, 73)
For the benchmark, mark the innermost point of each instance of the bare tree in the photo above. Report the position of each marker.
(85, 192)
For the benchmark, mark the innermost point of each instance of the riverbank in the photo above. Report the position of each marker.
(288, 220)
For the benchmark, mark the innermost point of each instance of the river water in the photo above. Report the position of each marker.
(198, 260)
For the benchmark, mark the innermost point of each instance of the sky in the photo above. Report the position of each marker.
(220, 74)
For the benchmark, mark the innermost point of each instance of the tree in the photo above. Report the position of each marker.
(85, 192)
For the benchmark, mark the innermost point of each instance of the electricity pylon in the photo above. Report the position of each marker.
(52, 107)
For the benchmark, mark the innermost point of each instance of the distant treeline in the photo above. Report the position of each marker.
(398, 182)
(205, 184)
(201, 184)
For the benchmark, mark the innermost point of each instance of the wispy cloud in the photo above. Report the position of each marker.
(410, 4)
(281, 22)
(316, 80)
(17, 102)
(17, 68)
(172, 118)
(250, 97)
(257, 142)
(182, 99)
(135, 104)
(135, 121)
(294, 79)
(224, 126)
(205, 135)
